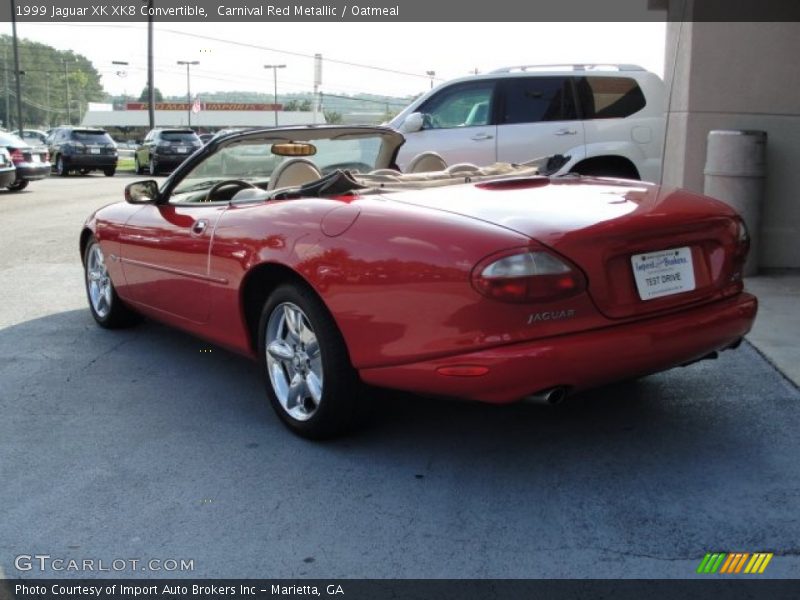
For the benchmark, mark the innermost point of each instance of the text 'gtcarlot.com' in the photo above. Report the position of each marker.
(45, 562)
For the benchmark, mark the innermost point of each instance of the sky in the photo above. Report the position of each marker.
(384, 58)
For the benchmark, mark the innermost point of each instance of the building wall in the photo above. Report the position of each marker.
(739, 76)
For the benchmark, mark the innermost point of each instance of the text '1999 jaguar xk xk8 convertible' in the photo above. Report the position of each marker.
(305, 249)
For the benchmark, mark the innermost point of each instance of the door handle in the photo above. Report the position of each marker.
(566, 132)
(199, 227)
(479, 137)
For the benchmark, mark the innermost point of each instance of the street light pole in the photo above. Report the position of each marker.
(275, 81)
(188, 64)
(431, 74)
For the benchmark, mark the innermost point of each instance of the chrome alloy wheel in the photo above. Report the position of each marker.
(294, 362)
(98, 282)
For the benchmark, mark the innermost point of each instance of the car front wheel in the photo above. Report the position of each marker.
(104, 304)
(309, 379)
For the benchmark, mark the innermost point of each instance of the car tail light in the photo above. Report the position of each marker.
(740, 252)
(17, 156)
(527, 275)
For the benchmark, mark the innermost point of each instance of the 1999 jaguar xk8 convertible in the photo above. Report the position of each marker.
(304, 249)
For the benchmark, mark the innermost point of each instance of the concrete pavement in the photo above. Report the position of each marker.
(776, 333)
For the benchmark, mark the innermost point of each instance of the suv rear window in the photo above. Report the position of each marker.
(609, 97)
(179, 136)
(91, 137)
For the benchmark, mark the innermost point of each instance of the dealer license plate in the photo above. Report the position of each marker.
(181, 150)
(94, 150)
(663, 273)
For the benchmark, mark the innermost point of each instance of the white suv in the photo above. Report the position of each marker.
(609, 119)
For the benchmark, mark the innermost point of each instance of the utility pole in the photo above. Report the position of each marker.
(275, 80)
(188, 64)
(151, 94)
(16, 65)
(7, 116)
(66, 82)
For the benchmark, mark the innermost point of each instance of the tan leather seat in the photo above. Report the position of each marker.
(293, 172)
(426, 162)
(463, 169)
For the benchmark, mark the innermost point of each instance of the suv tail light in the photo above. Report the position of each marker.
(527, 275)
(17, 156)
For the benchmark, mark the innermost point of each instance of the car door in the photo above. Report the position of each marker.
(457, 124)
(164, 250)
(537, 116)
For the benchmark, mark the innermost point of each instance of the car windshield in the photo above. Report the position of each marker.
(253, 160)
(179, 136)
(91, 137)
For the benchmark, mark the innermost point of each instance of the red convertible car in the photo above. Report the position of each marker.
(302, 248)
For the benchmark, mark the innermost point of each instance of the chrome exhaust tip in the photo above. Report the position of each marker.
(549, 396)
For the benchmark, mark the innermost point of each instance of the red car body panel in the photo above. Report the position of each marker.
(394, 270)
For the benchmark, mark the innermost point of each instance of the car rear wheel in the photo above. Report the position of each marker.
(104, 304)
(309, 379)
(109, 172)
(18, 185)
(61, 168)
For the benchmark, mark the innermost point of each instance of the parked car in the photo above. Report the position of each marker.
(331, 268)
(34, 136)
(82, 149)
(8, 173)
(608, 119)
(31, 162)
(165, 149)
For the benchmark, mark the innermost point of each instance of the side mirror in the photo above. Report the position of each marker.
(141, 192)
(413, 123)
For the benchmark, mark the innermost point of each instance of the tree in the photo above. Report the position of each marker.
(46, 74)
(145, 95)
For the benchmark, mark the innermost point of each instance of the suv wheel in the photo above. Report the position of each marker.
(109, 172)
(61, 168)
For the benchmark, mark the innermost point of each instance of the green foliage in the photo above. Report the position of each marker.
(145, 97)
(332, 117)
(44, 84)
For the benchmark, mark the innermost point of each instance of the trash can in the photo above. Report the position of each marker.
(734, 173)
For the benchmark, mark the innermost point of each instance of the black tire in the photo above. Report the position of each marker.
(18, 185)
(109, 172)
(152, 167)
(61, 168)
(339, 408)
(137, 168)
(84, 171)
(118, 314)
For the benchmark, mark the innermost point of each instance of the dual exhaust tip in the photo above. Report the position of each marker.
(551, 396)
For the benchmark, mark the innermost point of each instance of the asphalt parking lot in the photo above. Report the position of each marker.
(143, 444)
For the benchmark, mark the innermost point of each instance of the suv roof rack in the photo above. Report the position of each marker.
(573, 67)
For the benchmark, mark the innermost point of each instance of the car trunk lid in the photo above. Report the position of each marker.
(605, 227)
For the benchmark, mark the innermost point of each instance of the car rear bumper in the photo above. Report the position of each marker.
(170, 160)
(88, 161)
(582, 360)
(33, 171)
